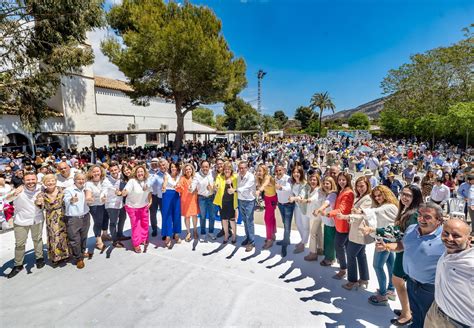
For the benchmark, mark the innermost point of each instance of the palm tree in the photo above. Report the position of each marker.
(321, 101)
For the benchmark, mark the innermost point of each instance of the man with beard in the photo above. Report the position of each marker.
(453, 306)
(28, 216)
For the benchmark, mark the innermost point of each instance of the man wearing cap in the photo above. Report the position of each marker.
(409, 173)
(453, 306)
(440, 193)
(394, 184)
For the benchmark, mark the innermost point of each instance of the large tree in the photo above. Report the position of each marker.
(40, 40)
(359, 121)
(280, 118)
(322, 101)
(305, 115)
(174, 51)
(423, 89)
(238, 110)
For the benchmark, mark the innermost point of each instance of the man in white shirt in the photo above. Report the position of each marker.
(28, 216)
(453, 306)
(65, 177)
(155, 179)
(77, 218)
(203, 182)
(283, 190)
(114, 201)
(440, 193)
(373, 164)
(246, 197)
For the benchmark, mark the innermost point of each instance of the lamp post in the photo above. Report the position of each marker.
(260, 76)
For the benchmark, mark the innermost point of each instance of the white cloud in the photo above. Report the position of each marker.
(102, 65)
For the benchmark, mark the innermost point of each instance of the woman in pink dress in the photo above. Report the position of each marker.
(189, 201)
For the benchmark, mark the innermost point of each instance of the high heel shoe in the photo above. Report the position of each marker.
(137, 249)
(363, 284)
(351, 285)
(188, 237)
(168, 242)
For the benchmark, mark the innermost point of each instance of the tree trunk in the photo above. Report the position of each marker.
(320, 121)
(179, 136)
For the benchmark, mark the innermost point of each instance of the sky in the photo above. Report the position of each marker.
(344, 47)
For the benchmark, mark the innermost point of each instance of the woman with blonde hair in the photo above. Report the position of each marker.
(226, 199)
(95, 198)
(356, 257)
(137, 205)
(52, 201)
(266, 184)
(189, 201)
(383, 213)
(328, 193)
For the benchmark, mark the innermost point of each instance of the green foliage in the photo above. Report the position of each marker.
(312, 128)
(250, 121)
(237, 110)
(359, 121)
(280, 118)
(175, 51)
(220, 122)
(269, 123)
(204, 115)
(40, 41)
(461, 119)
(423, 92)
(322, 101)
(305, 115)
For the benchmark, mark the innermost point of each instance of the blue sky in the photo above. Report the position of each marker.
(345, 47)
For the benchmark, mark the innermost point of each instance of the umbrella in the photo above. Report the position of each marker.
(364, 149)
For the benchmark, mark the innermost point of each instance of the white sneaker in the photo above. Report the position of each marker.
(211, 235)
(202, 238)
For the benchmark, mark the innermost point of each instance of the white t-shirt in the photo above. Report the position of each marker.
(97, 192)
(137, 197)
(454, 287)
(109, 187)
(171, 183)
(26, 212)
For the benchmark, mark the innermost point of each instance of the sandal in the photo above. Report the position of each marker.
(378, 300)
(176, 238)
(351, 285)
(137, 249)
(340, 275)
(234, 240)
(326, 262)
(363, 284)
(168, 242)
(188, 237)
(396, 322)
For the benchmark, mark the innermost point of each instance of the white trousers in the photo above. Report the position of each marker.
(302, 223)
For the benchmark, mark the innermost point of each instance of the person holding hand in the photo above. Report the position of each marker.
(171, 211)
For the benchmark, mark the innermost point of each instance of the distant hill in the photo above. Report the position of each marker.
(372, 109)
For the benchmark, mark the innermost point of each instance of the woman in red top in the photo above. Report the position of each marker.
(344, 203)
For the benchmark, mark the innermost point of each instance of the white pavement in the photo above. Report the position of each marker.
(211, 286)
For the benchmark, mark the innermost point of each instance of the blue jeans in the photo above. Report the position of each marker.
(421, 297)
(286, 211)
(246, 208)
(380, 259)
(206, 208)
(97, 213)
(356, 258)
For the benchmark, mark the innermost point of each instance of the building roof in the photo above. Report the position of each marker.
(104, 82)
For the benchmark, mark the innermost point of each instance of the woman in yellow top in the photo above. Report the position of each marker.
(266, 184)
(226, 199)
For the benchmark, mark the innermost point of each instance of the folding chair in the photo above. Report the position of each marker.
(456, 208)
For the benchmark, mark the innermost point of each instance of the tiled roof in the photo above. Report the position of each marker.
(103, 82)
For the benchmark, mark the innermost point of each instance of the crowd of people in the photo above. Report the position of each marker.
(413, 202)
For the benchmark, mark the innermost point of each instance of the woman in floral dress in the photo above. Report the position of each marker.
(52, 199)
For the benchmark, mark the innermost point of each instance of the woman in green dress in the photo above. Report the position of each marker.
(52, 201)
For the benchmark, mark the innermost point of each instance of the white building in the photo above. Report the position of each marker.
(85, 102)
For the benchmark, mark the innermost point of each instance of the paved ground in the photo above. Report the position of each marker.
(194, 284)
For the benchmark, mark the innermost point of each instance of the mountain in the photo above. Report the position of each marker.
(372, 109)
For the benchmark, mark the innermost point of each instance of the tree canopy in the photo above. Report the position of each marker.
(40, 41)
(305, 115)
(424, 93)
(240, 115)
(174, 51)
(204, 115)
(359, 121)
(280, 118)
